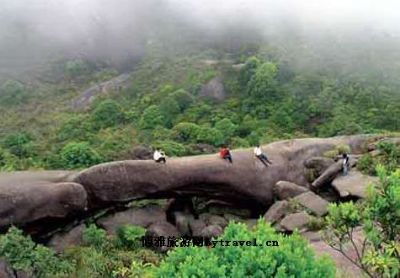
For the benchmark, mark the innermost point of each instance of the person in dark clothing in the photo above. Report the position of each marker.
(261, 156)
(346, 164)
(224, 153)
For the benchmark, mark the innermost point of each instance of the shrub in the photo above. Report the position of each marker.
(210, 136)
(226, 128)
(171, 148)
(379, 255)
(35, 259)
(151, 117)
(12, 93)
(185, 132)
(107, 113)
(292, 258)
(79, 155)
(93, 236)
(129, 236)
(19, 144)
(366, 164)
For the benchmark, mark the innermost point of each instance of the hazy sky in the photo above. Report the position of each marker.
(33, 29)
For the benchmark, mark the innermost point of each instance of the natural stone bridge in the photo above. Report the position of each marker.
(28, 197)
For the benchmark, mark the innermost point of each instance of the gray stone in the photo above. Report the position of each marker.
(294, 221)
(354, 184)
(313, 202)
(5, 270)
(211, 231)
(182, 221)
(143, 217)
(214, 89)
(196, 226)
(60, 242)
(276, 211)
(162, 229)
(285, 190)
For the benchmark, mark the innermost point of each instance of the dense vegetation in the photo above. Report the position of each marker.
(266, 99)
(122, 256)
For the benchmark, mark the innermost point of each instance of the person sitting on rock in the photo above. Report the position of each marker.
(261, 156)
(224, 153)
(346, 163)
(159, 156)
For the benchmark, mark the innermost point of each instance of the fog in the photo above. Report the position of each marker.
(36, 31)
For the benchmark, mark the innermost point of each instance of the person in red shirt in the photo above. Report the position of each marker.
(224, 153)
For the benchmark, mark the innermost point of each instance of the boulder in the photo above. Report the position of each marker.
(196, 226)
(182, 221)
(250, 223)
(60, 242)
(143, 217)
(294, 221)
(211, 231)
(320, 164)
(214, 89)
(162, 229)
(276, 211)
(354, 184)
(142, 152)
(217, 220)
(313, 202)
(231, 217)
(328, 175)
(5, 270)
(285, 190)
(25, 202)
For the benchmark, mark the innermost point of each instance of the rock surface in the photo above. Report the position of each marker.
(320, 164)
(60, 242)
(294, 221)
(162, 229)
(214, 89)
(208, 175)
(354, 184)
(211, 231)
(276, 211)
(5, 270)
(24, 202)
(285, 190)
(143, 217)
(313, 202)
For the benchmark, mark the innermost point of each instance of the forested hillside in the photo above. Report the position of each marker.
(186, 102)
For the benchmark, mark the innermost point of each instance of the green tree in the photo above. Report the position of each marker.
(226, 127)
(169, 109)
(107, 113)
(185, 132)
(151, 117)
(35, 259)
(79, 155)
(379, 255)
(12, 93)
(263, 85)
(183, 98)
(20, 144)
(248, 70)
(210, 136)
(289, 257)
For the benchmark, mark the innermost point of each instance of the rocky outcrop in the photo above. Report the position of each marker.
(161, 229)
(214, 89)
(27, 197)
(354, 184)
(5, 270)
(143, 217)
(244, 181)
(320, 164)
(285, 190)
(24, 202)
(276, 211)
(294, 221)
(313, 202)
(85, 98)
(60, 242)
(211, 231)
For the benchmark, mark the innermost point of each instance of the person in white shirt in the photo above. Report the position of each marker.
(159, 156)
(261, 156)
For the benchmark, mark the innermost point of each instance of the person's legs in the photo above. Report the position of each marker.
(163, 160)
(228, 157)
(262, 159)
(345, 170)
